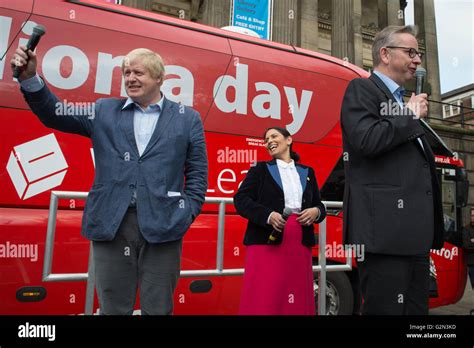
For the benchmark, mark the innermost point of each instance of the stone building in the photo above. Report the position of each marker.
(457, 129)
(459, 105)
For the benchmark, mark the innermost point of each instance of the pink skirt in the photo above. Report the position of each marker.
(278, 279)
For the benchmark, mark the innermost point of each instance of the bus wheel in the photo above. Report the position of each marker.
(339, 295)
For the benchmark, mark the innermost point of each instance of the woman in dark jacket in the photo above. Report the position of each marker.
(278, 275)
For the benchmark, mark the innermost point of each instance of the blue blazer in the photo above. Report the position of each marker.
(262, 192)
(166, 206)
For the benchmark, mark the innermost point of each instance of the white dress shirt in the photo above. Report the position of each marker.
(292, 189)
(290, 180)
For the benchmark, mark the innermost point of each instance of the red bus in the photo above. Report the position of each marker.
(240, 85)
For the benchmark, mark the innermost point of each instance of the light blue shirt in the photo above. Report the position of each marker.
(144, 124)
(144, 121)
(397, 92)
(392, 86)
(33, 84)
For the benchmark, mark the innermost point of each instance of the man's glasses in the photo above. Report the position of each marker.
(411, 51)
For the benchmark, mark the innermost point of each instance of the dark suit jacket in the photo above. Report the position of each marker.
(166, 206)
(392, 202)
(262, 192)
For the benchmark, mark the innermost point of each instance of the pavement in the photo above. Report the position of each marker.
(463, 307)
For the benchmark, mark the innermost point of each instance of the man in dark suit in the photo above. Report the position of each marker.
(392, 202)
(139, 207)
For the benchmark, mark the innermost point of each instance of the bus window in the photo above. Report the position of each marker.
(447, 177)
(333, 188)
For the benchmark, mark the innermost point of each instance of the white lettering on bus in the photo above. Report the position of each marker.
(299, 109)
(448, 254)
(106, 64)
(52, 61)
(179, 86)
(5, 25)
(185, 84)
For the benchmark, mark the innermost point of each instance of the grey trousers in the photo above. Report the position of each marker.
(128, 263)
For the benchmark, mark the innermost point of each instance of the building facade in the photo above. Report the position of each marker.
(458, 105)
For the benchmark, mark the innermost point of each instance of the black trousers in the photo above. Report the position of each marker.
(394, 285)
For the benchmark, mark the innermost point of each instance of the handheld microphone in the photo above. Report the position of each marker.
(38, 31)
(276, 236)
(420, 75)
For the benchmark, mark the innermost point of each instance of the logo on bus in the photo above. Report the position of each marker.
(36, 166)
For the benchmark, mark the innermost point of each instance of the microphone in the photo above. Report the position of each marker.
(276, 236)
(420, 75)
(38, 31)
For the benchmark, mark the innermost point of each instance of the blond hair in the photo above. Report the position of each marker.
(151, 60)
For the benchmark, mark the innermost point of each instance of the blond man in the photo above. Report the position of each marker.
(149, 185)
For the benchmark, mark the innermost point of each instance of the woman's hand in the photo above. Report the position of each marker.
(277, 221)
(308, 216)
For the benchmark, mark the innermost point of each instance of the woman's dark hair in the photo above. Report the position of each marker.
(293, 155)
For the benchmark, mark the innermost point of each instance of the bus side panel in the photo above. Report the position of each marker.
(451, 275)
(22, 237)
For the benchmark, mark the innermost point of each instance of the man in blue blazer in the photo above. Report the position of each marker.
(139, 207)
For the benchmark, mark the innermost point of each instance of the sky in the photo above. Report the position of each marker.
(455, 31)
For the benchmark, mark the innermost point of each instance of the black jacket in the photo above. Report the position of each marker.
(392, 201)
(261, 193)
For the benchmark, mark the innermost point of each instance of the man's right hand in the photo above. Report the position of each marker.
(277, 221)
(418, 104)
(25, 61)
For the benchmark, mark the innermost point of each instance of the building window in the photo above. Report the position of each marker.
(452, 108)
(456, 109)
(446, 111)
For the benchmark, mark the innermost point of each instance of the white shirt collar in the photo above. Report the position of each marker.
(285, 165)
(159, 104)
